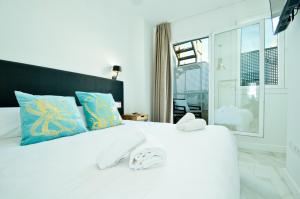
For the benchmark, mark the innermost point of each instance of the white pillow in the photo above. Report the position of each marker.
(80, 108)
(10, 125)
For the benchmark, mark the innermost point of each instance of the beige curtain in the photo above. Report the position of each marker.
(162, 93)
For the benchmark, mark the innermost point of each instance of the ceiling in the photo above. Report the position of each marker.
(158, 11)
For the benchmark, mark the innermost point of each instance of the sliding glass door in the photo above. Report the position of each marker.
(239, 79)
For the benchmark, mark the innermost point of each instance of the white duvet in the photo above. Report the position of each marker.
(200, 165)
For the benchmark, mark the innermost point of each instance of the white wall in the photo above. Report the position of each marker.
(221, 19)
(80, 36)
(293, 118)
(227, 18)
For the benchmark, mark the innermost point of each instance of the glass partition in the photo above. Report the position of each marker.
(238, 85)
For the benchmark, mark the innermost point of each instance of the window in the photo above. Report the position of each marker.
(271, 55)
(192, 51)
(250, 44)
(249, 58)
(191, 73)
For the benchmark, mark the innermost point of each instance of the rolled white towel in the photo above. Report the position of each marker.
(193, 125)
(119, 146)
(148, 155)
(187, 117)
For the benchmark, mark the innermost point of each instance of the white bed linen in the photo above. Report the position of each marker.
(200, 164)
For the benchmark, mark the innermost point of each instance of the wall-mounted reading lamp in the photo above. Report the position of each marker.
(116, 69)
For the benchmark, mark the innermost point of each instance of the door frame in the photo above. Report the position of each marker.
(211, 107)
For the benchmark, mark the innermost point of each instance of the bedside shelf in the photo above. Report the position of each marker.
(136, 117)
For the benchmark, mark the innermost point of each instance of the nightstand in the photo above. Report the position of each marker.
(136, 117)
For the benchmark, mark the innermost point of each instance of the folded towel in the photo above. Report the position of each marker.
(148, 155)
(119, 146)
(192, 125)
(187, 117)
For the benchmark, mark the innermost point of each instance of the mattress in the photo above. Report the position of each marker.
(199, 164)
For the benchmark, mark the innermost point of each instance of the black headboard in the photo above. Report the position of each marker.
(47, 81)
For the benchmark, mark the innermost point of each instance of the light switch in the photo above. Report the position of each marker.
(119, 104)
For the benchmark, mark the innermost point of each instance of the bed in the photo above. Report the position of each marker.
(200, 164)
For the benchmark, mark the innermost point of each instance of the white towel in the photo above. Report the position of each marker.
(187, 117)
(192, 125)
(119, 146)
(148, 155)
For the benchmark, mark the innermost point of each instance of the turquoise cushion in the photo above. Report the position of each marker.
(100, 110)
(48, 117)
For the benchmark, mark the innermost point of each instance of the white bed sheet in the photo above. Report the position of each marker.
(199, 165)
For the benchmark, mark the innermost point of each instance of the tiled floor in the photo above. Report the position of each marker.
(262, 175)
